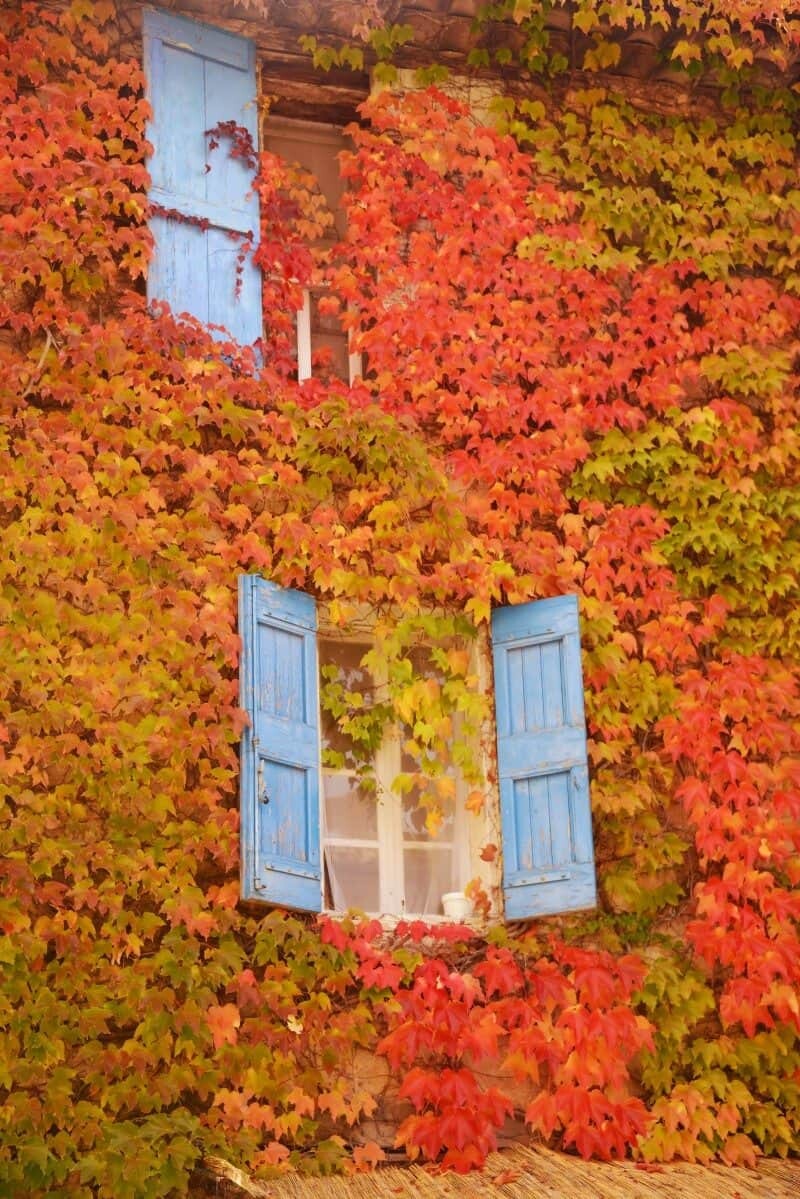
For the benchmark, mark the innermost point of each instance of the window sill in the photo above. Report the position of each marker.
(477, 925)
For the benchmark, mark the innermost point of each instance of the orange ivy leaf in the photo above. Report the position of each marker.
(368, 1156)
(224, 1021)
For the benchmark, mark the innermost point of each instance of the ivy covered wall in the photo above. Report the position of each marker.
(581, 329)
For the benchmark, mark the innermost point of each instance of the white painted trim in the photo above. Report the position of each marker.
(304, 338)
(355, 368)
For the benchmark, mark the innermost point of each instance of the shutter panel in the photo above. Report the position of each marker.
(548, 857)
(197, 77)
(280, 804)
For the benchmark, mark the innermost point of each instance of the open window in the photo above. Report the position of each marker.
(315, 146)
(383, 849)
(310, 839)
(203, 90)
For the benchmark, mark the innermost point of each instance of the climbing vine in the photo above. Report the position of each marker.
(580, 322)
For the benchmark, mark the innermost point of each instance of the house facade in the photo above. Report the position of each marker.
(205, 224)
(399, 726)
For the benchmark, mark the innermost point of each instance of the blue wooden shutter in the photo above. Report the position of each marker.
(197, 77)
(280, 804)
(548, 859)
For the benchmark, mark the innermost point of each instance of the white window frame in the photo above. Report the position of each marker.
(319, 134)
(472, 832)
(303, 328)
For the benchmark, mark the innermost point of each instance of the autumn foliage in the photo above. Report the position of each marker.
(581, 329)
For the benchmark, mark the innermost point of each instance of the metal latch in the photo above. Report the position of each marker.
(261, 786)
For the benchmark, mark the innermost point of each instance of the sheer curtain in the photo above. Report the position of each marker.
(411, 862)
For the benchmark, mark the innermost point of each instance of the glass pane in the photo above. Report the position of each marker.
(345, 656)
(316, 148)
(329, 338)
(415, 826)
(349, 812)
(416, 823)
(353, 877)
(429, 874)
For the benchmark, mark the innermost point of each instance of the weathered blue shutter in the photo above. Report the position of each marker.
(548, 858)
(280, 805)
(197, 77)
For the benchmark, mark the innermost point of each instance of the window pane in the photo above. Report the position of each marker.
(429, 874)
(345, 656)
(415, 820)
(353, 877)
(316, 148)
(328, 335)
(415, 815)
(349, 813)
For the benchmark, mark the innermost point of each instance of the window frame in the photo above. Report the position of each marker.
(321, 135)
(470, 834)
(535, 791)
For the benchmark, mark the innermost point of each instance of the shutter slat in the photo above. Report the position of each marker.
(197, 77)
(548, 856)
(280, 797)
